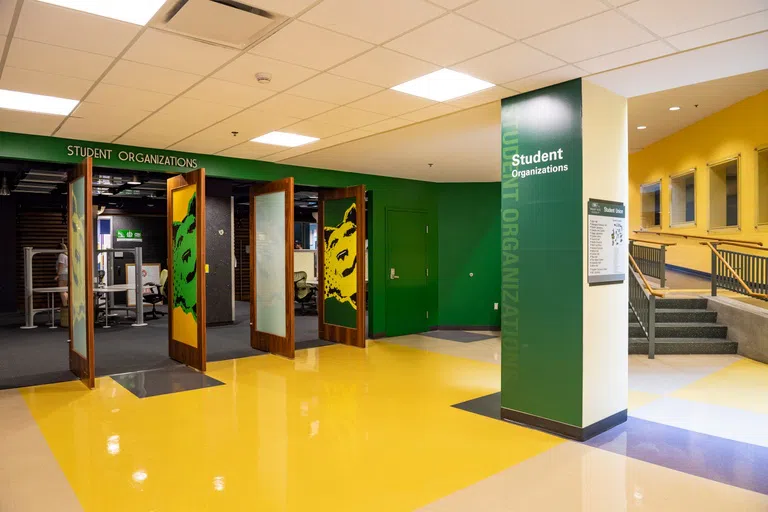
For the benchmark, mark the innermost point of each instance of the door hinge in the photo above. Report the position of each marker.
(427, 272)
(427, 229)
(427, 314)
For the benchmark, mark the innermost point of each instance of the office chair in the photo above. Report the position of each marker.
(303, 293)
(159, 296)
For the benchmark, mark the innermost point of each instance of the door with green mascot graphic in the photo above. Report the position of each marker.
(341, 265)
(80, 280)
(186, 269)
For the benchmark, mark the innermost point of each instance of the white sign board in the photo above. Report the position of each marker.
(607, 242)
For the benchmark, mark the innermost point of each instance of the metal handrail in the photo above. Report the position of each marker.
(739, 244)
(651, 242)
(652, 291)
(700, 237)
(748, 291)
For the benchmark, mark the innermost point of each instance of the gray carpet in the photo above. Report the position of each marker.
(39, 356)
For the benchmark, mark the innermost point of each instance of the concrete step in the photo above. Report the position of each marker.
(684, 346)
(682, 330)
(667, 303)
(681, 315)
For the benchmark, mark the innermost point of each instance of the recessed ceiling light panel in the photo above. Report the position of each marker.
(674, 108)
(642, 127)
(443, 85)
(26, 102)
(290, 140)
(138, 12)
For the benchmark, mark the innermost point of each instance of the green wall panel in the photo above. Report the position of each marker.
(469, 242)
(541, 237)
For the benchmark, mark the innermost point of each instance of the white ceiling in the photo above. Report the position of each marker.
(333, 62)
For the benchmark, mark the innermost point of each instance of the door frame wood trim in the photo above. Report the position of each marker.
(355, 337)
(266, 342)
(195, 357)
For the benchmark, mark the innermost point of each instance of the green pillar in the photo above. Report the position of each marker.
(564, 339)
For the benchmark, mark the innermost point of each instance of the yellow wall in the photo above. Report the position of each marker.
(738, 129)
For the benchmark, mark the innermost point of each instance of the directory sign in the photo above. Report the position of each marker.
(607, 242)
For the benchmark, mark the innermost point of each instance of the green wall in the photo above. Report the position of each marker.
(387, 192)
(469, 242)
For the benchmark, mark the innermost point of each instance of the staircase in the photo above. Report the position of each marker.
(683, 326)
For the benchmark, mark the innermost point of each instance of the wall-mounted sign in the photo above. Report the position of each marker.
(607, 242)
(127, 235)
(131, 156)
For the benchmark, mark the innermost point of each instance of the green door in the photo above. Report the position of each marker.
(406, 299)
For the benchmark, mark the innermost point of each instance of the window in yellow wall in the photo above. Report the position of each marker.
(650, 195)
(682, 210)
(724, 194)
(762, 186)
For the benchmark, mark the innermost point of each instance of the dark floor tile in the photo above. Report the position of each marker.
(164, 381)
(460, 336)
(300, 345)
(488, 405)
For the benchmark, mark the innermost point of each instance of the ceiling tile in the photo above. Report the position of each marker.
(7, 8)
(334, 89)
(294, 106)
(332, 141)
(392, 123)
(440, 109)
(228, 93)
(78, 129)
(27, 122)
(481, 98)
(203, 143)
(391, 103)
(248, 124)
(722, 31)
(56, 60)
(243, 70)
(451, 4)
(151, 137)
(523, 18)
(509, 63)
(151, 78)
(605, 33)
(307, 45)
(349, 117)
(554, 76)
(448, 40)
(617, 3)
(59, 26)
(119, 96)
(384, 68)
(178, 53)
(372, 20)
(106, 119)
(250, 150)
(666, 18)
(290, 153)
(3, 39)
(312, 128)
(36, 82)
(288, 8)
(625, 57)
(196, 112)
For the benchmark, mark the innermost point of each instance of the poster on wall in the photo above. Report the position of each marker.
(340, 239)
(150, 273)
(77, 254)
(606, 242)
(184, 327)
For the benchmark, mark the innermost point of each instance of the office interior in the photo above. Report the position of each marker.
(130, 209)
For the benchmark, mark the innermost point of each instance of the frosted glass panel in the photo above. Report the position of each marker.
(270, 263)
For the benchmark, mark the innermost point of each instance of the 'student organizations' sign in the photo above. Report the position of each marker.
(607, 242)
(131, 156)
(127, 235)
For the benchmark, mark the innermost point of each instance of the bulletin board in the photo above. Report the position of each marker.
(150, 274)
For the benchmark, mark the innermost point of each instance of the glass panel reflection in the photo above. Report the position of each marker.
(270, 263)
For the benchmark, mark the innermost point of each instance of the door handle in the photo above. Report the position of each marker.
(392, 274)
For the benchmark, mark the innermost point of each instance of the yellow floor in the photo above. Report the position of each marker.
(337, 429)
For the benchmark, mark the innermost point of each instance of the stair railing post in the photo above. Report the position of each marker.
(652, 327)
(714, 271)
(663, 267)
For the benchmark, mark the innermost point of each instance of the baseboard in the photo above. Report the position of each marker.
(466, 328)
(563, 429)
(378, 335)
(690, 271)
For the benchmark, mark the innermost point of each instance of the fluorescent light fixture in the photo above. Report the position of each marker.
(290, 140)
(674, 108)
(138, 12)
(26, 102)
(642, 127)
(443, 85)
(134, 181)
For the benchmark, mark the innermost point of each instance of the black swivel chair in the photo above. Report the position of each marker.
(303, 293)
(158, 296)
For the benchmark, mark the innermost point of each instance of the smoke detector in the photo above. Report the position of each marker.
(263, 78)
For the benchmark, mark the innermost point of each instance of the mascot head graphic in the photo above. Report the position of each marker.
(341, 259)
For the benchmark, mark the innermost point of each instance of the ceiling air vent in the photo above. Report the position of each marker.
(236, 24)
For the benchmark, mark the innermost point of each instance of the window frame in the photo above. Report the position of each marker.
(710, 165)
(759, 225)
(689, 223)
(661, 204)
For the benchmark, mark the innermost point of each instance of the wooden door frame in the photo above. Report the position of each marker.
(263, 341)
(178, 351)
(355, 337)
(83, 367)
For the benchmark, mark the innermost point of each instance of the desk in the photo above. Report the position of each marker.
(51, 292)
(105, 290)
